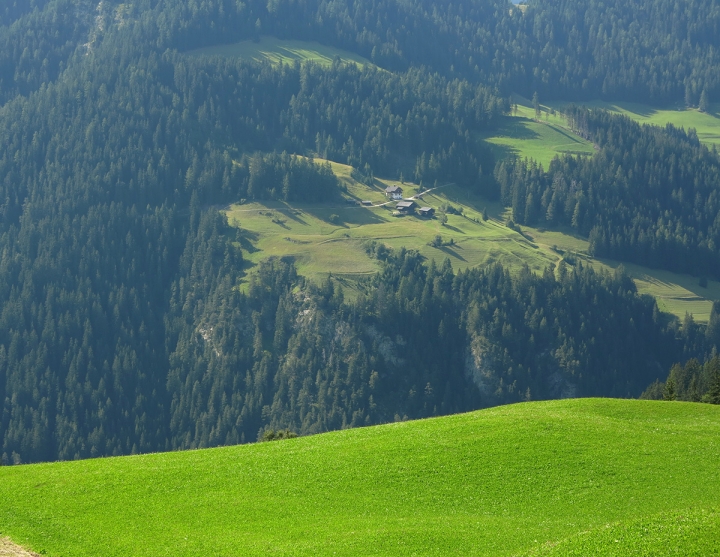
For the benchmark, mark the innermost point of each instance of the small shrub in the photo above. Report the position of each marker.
(450, 210)
(272, 435)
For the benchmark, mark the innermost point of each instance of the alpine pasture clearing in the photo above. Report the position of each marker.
(706, 124)
(276, 51)
(511, 480)
(676, 293)
(522, 136)
(332, 238)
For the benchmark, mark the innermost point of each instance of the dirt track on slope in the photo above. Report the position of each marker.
(9, 549)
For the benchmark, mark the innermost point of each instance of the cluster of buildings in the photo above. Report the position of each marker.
(406, 206)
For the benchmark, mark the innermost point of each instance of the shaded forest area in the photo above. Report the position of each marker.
(659, 52)
(122, 328)
(424, 341)
(103, 179)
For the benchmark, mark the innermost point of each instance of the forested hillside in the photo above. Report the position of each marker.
(650, 195)
(573, 49)
(632, 50)
(122, 325)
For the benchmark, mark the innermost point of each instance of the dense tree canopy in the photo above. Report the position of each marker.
(570, 49)
(573, 49)
(124, 323)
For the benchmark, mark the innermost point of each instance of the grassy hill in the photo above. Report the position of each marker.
(545, 478)
(286, 51)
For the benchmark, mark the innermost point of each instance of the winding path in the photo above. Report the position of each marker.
(10, 549)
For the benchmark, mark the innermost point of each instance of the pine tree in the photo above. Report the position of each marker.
(536, 105)
(704, 105)
(669, 391)
(713, 394)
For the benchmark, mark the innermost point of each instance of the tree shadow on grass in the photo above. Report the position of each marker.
(517, 128)
(572, 137)
(246, 267)
(668, 279)
(639, 109)
(293, 214)
(246, 238)
(346, 216)
(451, 251)
(453, 228)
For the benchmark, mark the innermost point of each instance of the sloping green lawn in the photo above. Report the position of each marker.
(331, 238)
(521, 135)
(533, 478)
(277, 50)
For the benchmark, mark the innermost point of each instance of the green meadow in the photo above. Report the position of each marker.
(699, 530)
(572, 477)
(286, 51)
(332, 238)
(521, 135)
(706, 124)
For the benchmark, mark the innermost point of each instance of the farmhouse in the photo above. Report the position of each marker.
(393, 192)
(426, 212)
(405, 206)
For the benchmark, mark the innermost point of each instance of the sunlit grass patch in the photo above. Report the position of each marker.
(276, 51)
